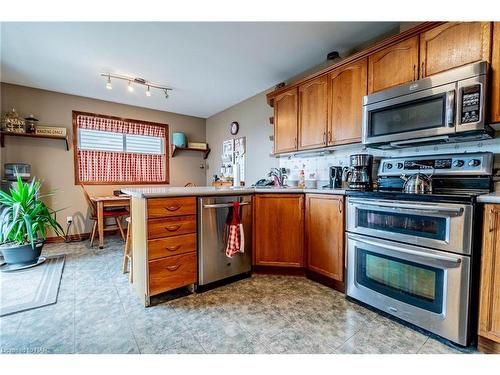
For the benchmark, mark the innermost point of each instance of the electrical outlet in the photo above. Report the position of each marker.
(69, 219)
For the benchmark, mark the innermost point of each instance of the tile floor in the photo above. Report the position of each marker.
(97, 312)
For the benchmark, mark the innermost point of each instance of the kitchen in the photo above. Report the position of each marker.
(348, 208)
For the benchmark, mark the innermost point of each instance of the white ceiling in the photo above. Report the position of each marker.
(211, 66)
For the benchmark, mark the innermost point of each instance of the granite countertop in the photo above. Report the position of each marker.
(489, 198)
(157, 192)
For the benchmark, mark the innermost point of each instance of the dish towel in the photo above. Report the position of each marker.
(236, 240)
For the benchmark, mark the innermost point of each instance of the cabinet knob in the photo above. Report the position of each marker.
(173, 248)
(172, 228)
(173, 268)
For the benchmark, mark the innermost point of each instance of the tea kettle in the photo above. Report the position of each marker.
(417, 183)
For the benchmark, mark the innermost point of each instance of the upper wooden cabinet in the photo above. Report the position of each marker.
(325, 235)
(278, 230)
(346, 88)
(495, 75)
(489, 304)
(313, 107)
(394, 65)
(285, 121)
(454, 44)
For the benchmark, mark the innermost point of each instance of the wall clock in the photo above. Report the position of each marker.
(234, 127)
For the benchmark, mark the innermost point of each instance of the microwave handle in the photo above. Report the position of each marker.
(450, 108)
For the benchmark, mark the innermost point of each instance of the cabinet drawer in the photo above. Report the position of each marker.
(171, 273)
(173, 226)
(166, 207)
(169, 246)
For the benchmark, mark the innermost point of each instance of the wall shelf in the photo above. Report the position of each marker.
(177, 149)
(32, 135)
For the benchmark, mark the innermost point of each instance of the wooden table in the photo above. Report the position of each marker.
(108, 201)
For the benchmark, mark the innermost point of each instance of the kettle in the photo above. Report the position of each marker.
(417, 183)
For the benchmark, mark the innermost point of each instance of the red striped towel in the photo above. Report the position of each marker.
(236, 240)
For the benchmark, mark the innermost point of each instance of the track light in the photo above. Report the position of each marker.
(136, 81)
(108, 84)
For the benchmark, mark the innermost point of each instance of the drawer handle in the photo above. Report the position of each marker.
(172, 208)
(173, 268)
(172, 228)
(173, 248)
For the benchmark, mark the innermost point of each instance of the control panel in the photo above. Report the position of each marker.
(471, 100)
(466, 164)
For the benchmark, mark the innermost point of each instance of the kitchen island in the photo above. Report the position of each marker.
(165, 235)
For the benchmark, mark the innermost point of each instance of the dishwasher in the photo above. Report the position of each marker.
(213, 264)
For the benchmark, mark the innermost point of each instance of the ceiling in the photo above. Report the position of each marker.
(210, 65)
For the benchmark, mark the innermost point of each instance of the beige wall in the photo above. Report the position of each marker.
(253, 116)
(54, 165)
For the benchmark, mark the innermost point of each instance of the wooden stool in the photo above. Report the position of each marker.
(127, 253)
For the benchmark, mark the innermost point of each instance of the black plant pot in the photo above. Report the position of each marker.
(21, 254)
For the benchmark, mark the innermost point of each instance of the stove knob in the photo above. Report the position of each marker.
(400, 165)
(458, 163)
(474, 163)
(388, 166)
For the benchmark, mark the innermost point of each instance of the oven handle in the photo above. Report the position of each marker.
(405, 251)
(455, 211)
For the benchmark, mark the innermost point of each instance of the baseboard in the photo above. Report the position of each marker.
(276, 270)
(71, 238)
(487, 346)
(322, 279)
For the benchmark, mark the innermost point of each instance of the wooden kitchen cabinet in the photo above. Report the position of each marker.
(394, 65)
(325, 235)
(286, 121)
(346, 88)
(454, 44)
(313, 108)
(278, 230)
(489, 303)
(495, 75)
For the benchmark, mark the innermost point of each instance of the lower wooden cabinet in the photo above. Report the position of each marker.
(279, 230)
(489, 303)
(171, 272)
(324, 228)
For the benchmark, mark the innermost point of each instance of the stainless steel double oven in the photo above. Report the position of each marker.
(397, 263)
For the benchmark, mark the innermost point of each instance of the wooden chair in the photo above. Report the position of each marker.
(127, 252)
(116, 214)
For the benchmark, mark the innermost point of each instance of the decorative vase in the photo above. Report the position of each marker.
(179, 139)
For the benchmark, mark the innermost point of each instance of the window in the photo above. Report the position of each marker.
(110, 150)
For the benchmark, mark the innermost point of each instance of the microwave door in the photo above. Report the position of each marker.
(424, 114)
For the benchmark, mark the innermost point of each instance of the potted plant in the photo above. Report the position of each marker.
(24, 221)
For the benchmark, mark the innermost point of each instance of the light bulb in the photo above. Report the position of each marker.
(108, 84)
(130, 88)
(148, 93)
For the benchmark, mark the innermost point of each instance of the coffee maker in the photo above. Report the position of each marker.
(358, 174)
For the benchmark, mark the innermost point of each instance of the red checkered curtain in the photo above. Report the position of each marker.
(112, 167)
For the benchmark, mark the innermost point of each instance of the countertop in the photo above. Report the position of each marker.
(489, 198)
(157, 192)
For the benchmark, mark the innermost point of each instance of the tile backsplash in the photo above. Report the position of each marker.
(316, 167)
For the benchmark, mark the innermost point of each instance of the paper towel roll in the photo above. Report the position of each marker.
(236, 174)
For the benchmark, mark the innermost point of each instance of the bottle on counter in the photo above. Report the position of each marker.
(302, 178)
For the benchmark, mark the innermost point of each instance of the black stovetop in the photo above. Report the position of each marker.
(437, 196)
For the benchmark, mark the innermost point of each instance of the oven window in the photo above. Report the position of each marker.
(413, 225)
(415, 115)
(406, 281)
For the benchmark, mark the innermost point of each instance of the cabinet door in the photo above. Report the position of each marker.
(495, 76)
(285, 121)
(313, 108)
(489, 306)
(279, 227)
(454, 44)
(346, 88)
(394, 65)
(325, 235)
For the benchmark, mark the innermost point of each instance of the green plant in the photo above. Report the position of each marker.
(24, 218)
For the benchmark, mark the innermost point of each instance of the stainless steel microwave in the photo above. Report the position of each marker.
(446, 107)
